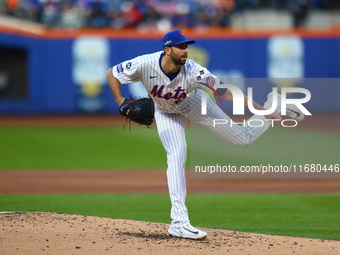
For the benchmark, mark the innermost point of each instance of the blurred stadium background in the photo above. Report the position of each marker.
(55, 53)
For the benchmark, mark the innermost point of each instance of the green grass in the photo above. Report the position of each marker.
(276, 146)
(77, 148)
(312, 216)
(105, 148)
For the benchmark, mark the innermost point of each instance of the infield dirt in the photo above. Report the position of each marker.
(51, 233)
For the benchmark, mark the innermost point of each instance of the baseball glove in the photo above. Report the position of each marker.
(140, 111)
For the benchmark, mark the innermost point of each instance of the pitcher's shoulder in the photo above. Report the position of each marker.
(151, 57)
(189, 64)
(194, 68)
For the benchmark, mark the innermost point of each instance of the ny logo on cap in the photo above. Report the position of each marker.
(181, 33)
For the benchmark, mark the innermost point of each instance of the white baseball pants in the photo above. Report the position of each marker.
(171, 129)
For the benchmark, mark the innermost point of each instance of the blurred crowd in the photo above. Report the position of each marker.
(150, 13)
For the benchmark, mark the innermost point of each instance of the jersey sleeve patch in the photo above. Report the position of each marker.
(210, 80)
(128, 65)
(120, 68)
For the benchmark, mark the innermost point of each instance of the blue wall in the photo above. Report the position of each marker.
(52, 90)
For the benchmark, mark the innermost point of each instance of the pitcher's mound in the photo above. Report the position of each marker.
(53, 233)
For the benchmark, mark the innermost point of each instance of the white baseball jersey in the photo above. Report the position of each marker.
(165, 92)
(176, 101)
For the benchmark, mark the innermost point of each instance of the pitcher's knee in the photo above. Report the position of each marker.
(244, 144)
(241, 142)
(179, 153)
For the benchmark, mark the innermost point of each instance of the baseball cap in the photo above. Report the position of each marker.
(175, 37)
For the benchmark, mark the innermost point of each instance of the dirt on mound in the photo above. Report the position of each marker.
(53, 233)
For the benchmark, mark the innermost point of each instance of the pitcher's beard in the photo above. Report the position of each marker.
(179, 61)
